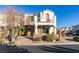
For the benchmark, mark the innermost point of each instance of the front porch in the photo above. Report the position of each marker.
(45, 29)
(39, 30)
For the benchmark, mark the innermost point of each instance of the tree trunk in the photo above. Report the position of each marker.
(20, 33)
(10, 36)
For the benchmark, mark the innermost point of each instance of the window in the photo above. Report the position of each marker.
(30, 18)
(38, 17)
(47, 18)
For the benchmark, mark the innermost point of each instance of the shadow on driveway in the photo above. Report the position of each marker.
(12, 49)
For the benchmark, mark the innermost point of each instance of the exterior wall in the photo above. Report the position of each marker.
(28, 20)
(44, 22)
(43, 16)
(2, 19)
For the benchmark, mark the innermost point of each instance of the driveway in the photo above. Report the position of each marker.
(39, 49)
(52, 48)
(23, 41)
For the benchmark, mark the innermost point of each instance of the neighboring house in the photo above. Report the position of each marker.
(75, 27)
(40, 23)
(75, 30)
(63, 31)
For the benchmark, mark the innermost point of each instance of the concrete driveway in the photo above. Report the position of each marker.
(39, 48)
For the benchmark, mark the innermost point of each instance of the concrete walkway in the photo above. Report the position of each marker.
(63, 42)
(26, 41)
(22, 41)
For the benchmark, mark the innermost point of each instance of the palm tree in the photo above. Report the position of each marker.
(21, 30)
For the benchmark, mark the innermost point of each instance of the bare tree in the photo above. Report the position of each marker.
(14, 18)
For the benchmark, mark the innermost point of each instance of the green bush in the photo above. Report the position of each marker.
(21, 30)
(36, 38)
(50, 37)
(76, 38)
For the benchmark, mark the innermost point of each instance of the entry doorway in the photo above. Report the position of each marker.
(46, 29)
(29, 30)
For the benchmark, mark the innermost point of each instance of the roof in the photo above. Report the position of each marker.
(41, 11)
(49, 10)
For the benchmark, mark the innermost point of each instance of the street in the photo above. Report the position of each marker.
(40, 49)
(53, 49)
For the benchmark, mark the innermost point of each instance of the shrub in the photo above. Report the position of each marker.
(36, 38)
(51, 37)
(57, 39)
(76, 38)
(44, 38)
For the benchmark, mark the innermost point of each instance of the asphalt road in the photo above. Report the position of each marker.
(40, 49)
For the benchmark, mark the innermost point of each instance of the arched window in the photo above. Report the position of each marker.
(47, 18)
(38, 17)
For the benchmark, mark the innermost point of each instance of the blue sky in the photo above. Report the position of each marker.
(67, 15)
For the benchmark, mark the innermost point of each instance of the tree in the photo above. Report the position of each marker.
(14, 18)
(21, 30)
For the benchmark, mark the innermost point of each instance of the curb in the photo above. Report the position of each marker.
(53, 44)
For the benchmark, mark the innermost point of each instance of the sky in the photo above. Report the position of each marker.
(67, 15)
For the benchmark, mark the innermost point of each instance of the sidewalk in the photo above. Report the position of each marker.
(22, 41)
(26, 41)
(65, 42)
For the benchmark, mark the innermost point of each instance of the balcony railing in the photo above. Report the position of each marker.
(47, 21)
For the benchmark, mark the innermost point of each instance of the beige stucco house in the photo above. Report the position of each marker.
(40, 23)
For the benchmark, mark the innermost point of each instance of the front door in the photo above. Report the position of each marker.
(29, 30)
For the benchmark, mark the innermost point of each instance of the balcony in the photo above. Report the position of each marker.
(45, 23)
(48, 22)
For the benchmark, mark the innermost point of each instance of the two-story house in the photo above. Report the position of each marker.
(41, 23)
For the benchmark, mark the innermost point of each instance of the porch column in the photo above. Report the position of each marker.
(35, 19)
(36, 32)
(55, 25)
(54, 30)
(51, 30)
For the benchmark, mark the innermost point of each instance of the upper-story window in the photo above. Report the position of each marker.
(38, 17)
(30, 18)
(47, 18)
